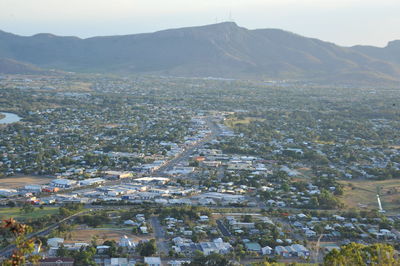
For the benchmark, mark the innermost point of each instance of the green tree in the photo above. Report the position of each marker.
(247, 218)
(112, 251)
(23, 247)
(213, 259)
(27, 208)
(147, 248)
(84, 257)
(62, 251)
(359, 255)
(11, 204)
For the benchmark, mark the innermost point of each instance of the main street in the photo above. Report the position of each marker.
(184, 156)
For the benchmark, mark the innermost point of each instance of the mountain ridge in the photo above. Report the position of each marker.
(220, 50)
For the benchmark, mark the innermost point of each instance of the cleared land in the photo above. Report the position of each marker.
(232, 122)
(16, 213)
(306, 174)
(86, 235)
(22, 180)
(362, 194)
(79, 86)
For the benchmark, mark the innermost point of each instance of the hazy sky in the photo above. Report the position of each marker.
(345, 22)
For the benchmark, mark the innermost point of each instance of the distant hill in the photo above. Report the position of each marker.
(10, 66)
(389, 53)
(218, 50)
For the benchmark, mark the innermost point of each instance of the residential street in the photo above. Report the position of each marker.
(159, 234)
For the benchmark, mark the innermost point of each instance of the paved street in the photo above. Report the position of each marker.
(189, 150)
(223, 228)
(159, 234)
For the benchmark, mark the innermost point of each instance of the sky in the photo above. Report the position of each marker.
(344, 22)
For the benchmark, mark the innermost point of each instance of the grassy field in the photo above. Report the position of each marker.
(22, 180)
(232, 122)
(362, 194)
(6, 213)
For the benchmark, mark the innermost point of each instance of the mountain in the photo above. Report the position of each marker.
(10, 66)
(389, 53)
(219, 50)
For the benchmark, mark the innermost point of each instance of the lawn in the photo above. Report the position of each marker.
(6, 213)
(363, 194)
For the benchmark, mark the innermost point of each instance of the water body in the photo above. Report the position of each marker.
(9, 118)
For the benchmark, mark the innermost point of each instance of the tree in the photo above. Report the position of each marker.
(85, 257)
(112, 251)
(247, 218)
(23, 247)
(11, 204)
(94, 240)
(148, 248)
(62, 251)
(213, 259)
(327, 200)
(27, 208)
(359, 255)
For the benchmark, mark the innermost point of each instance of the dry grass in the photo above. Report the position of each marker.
(364, 193)
(22, 180)
(324, 142)
(232, 122)
(80, 86)
(86, 235)
(306, 173)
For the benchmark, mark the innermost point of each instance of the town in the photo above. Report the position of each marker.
(171, 171)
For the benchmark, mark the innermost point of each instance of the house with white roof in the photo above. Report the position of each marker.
(152, 261)
(125, 242)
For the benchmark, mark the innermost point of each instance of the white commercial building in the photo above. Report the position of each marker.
(63, 183)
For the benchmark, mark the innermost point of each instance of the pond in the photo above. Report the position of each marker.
(9, 118)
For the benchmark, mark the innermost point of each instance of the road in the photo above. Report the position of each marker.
(183, 156)
(159, 234)
(223, 229)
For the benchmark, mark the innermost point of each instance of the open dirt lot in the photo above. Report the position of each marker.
(22, 180)
(86, 235)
